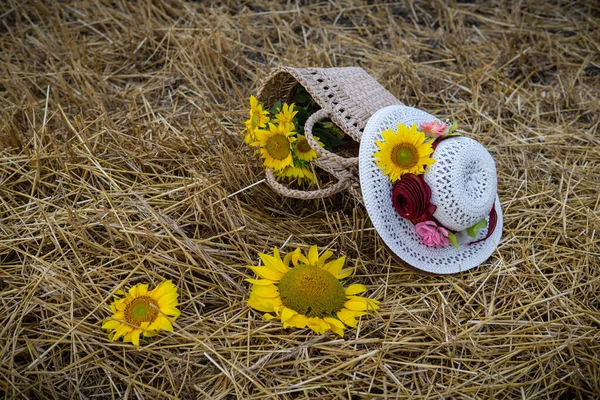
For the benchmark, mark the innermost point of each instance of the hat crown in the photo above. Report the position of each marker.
(463, 182)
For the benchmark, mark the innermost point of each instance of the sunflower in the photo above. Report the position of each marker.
(302, 149)
(143, 312)
(402, 152)
(308, 294)
(302, 174)
(258, 119)
(286, 115)
(276, 145)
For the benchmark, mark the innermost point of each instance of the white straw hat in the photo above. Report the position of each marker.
(463, 186)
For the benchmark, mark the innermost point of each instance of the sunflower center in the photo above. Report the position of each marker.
(140, 310)
(311, 291)
(405, 155)
(302, 145)
(278, 146)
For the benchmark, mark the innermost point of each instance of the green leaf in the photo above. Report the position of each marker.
(453, 127)
(452, 238)
(301, 117)
(276, 107)
(301, 96)
(472, 231)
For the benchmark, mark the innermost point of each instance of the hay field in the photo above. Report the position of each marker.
(121, 162)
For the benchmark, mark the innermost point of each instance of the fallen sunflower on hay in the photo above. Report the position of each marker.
(308, 294)
(143, 312)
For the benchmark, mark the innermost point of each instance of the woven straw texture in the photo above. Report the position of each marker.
(349, 96)
(477, 188)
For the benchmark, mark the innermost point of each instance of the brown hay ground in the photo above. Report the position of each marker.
(120, 155)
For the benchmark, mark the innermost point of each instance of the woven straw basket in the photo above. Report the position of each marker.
(349, 96)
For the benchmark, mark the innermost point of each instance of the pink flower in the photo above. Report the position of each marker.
(432, 235)
(434, 129)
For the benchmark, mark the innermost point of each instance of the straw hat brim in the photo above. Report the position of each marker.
(398, 233)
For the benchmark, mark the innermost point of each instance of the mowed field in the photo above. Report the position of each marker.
(121, 162)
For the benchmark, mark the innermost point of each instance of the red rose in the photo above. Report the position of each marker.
(412, 198)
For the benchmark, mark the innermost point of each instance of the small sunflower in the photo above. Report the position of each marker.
(302, 149)
(302, 174)
(143, 312)
(286, 115)
(276, 145)
(258, 119)
(308, 294)
(402, 152)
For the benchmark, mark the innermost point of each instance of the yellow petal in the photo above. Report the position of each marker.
(110, 324)
(346, 272)
(287, 313)
(347, 317)
(324, 258)
(163, 322)
(297, 256)
(334, 267)
(266, 291)
(318, 325)
(127, 337)
(356, 304)
(355, 289)
(260, 305)
(120, 331)
(267, 273)
(167, 300)
(149, 333)
(259, 282)
(336, 325)
(274, 262)
(313, 255)
(135, 337)
(269, 317)
(173, 312)
(298, 321)
(163, 288)
(142, 290)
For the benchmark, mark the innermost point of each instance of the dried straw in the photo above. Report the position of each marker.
(120, 162)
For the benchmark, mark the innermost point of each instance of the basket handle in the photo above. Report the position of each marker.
(341, 185)
(325, 154)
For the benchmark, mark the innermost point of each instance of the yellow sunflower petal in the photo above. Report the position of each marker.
(120, 331)
(298, 321)
(336, 325)
(135, 337)
(162, 322)
(355, 289)
(260, 305)
(260, 282)
(347, 317)
(334, 267)
(313, 255)
(127, 337)
(269, 317)
(110, 324)
(287, 313)
(318, 325)
(267, 273)
(324, 257)
(172, 312)
(266, 291)
(357, 304)
(346, 272)
(274, 262)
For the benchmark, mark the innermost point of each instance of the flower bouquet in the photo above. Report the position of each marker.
(307, 119)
